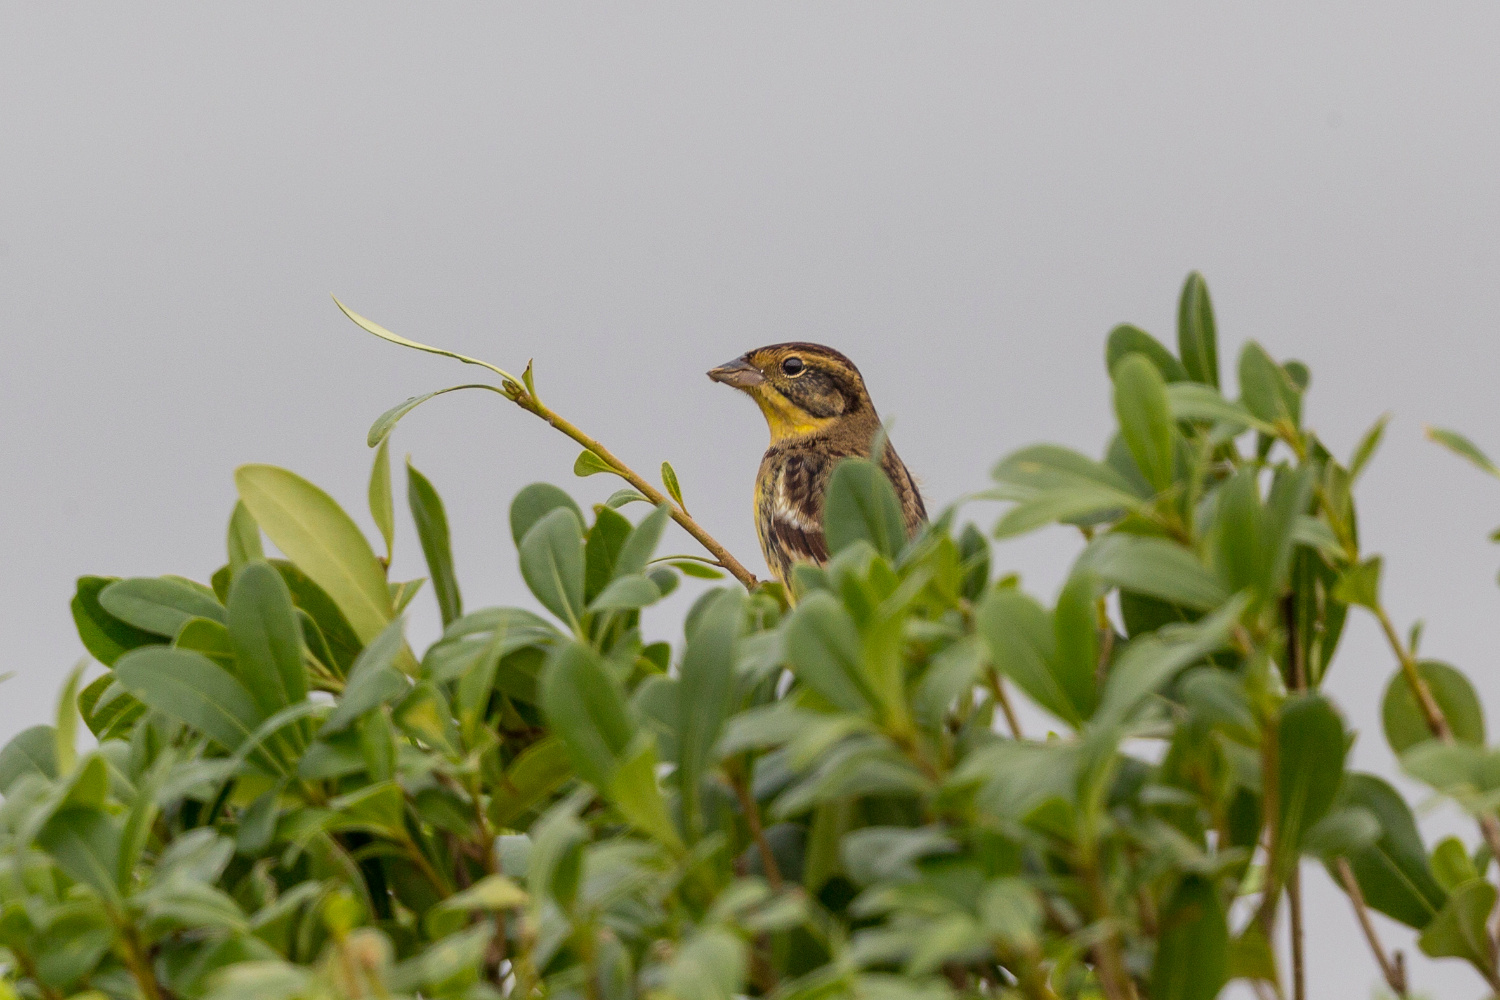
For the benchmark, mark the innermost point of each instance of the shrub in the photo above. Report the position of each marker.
(824, 797)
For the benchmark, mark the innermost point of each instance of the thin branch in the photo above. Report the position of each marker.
(522, 392)
(528, 401)
(751, 809)
(1294, 877)
(1437, 722)
(997, 688)
(1433, 712)
(1294, 903)
(1394, 972)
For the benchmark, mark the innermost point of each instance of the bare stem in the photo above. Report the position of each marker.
(529, 402)
(522, 392)
(997, 688)
(1436, 721)
(751, 809)
(1394, 972)
(1294, 903)
(1109, 962)
(1489, 826)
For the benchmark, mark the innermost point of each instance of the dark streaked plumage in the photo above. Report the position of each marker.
(819, 412)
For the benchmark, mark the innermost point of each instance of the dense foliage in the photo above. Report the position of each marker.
(826, 797)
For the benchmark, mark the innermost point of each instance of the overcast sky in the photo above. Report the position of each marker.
(963, 198)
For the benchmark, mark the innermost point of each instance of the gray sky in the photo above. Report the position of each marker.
(964, 199)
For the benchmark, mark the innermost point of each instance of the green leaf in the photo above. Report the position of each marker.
(316, 534)
(1365, 450)
(706, 691)
(493, 892)
(695, 569)
(635, 554)
(1342, 831)
(861, 505)
(382, 507)
(193, 690)
(1460, 928)
(535, 502)
(1361, 584)
(587, 464)
(669, 480)
(1266, 390)
(529, 779)
(387, 421)
(1461, 770)
(620, 498)
(1045, 468)
(1126, 339)
(1145, 418)
(1022, 646)
(1152, 660)
(601, 550)
(158, 604)
(31, 751)
(626, 593)
(454, 960)
(1083, 505)
(243, 541)
(66, 732)
(267, 638)
(373, 680)
(951, 673)
(1464, 448)
(1197, 340)
(1055, 484)
(710, 966)
(325, 630)
(1195, 401)
(1192, 959)
(102, 634)
(552, 564)
(1075, 630)
(586, 708)
(108, 709)
(823, 650)
(1155, 567)
(378, 808)
(1406, 725)
(425, 715)
(1451, 864)
(432, 529)
(1310, 762)
(633, 791)
(85, 843)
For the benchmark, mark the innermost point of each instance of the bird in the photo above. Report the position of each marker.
(819, 412)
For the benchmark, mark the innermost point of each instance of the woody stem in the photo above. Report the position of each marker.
(529, 402)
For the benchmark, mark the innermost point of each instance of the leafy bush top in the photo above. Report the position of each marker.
(822, 797)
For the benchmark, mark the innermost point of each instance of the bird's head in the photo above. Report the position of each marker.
(801, 388)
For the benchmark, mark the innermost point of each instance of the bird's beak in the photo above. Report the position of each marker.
(739, 373)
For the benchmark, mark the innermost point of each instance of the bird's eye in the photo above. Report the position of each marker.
(792, 366)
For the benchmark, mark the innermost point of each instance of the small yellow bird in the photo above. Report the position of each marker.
(819, 412)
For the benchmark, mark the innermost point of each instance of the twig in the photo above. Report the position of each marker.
(1437, 722)
(1394, 973)
(1109, 962)
(1294, 903)
(751, 809)
(528, 401)
(1294, 877)
(522, 392)
(997, 688)
(1433, 712)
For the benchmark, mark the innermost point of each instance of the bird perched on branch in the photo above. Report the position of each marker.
(819, 412)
